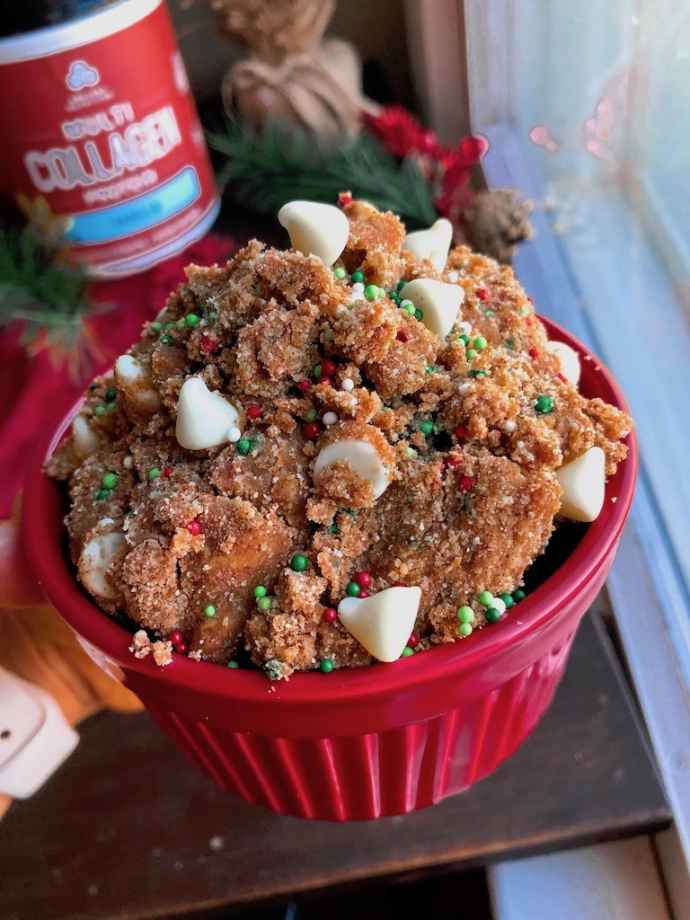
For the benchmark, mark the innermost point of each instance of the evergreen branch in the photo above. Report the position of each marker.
(265, 171)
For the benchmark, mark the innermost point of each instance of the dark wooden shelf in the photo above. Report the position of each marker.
(129, 829)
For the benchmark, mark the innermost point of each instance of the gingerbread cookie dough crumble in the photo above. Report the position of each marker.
(345, 452)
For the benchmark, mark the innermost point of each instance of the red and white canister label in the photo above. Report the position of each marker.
(101, 143)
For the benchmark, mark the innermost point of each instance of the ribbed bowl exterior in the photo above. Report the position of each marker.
(360, 777)
(358, 743)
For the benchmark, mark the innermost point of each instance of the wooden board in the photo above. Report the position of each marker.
(128, 829)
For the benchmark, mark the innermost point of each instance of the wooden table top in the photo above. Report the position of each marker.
(127, 828)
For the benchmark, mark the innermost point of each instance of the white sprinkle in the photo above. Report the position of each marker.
(356, 296)
(510, 426)
(127, 463)
(453, 276)
(498, 604)
(348, 384)
(464, 328)
(234, 434)
(358, 288)
(329, 418)
(105, 521)
(464, 389)
(340, 310)
(405, 303)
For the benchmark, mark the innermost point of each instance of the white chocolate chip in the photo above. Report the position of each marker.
(329, 418)
(583, 482)
(204, 419)
(315, 229)
(348, 384)
(438, 301)
(94, 561)
(85, 439)
(132, 380)
(360, 456)
(432, 244)
(383, 622)
(569, 360)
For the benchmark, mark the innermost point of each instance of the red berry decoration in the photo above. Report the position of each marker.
(328, 369)
(253, 413)
(168, 471)
(195, 528)
(304, 385)
(176, 637)
(413, 641)
(466, 483)
(363, 593)
(461, 433)
(311, 431)
(363, 579)
(402, 336)
(326, 379)
(483, 294)
(533, 353)
(330, 615)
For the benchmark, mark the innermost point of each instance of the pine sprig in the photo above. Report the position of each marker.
(264, 171)
(42, 291)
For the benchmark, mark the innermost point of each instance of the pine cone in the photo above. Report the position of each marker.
(496, 222)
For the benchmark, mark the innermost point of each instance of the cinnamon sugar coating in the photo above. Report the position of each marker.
(471, 495)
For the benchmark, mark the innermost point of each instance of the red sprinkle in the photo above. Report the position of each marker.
(397, 584)
(482, 294)
(452, 461)
(326, 379)
(533, 353)
(363, 579)
(413, 641)
(363, 593)
(402, 336)
(304, 385)
(528, 322)
(168, 471)
(328, 368)
(311, 431)
(344, 198)
(208, 344)
(253, 413)
(195, 528)
(461, 433)
(530, 299)
(329, 615)
(466, 483)
(176, 637)
(182, 648)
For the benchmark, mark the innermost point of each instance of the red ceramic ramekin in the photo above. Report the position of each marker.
(361, 743)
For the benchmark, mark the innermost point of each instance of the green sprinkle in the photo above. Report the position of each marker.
(232, 664)
(109, 481)
(418, 314)
(406, 652)
(92, 387)
(371, 292)
(465, 629)
(244, 446)
(395, 297)
(156, 327)
(212, 315)
(299, 563)
(259, 591)
(191, 319)
(180, 324)
(329, 335)
(110, 406)
(524, 311)
(466, 614)
(209, 611)
(464, 263)
(401, 284)
(339, 273)
(169, 326)
(103, 494)
(430, 369)
(264, 603)
(99, 410)
(486, 597)
(465, 339)
(311, 415)
(493, 615)
(357, 277)
(326, 665)
(519, 595)
(317, 371)
(480, 343)
(165, 340)
(470, 354)
(110, 395)
(411, 452)
(544, 405)
(507, 600)
(427, 428)
(153, 472)
(352, 589)
(333, 529)
(477, 373)
(408, 307)
(489, 313)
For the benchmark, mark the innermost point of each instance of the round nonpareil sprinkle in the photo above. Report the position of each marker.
(493, 615)
(244, 445)
(498, 604)
(363, 579)
(259, 591)
(466, 614)
(371, 292)
(465, 629)
(485, 598)
(299, 563)
(507, 600)
(329, 615)
(339, 273)
(427, 428)
(153, 473)
(328, 368)
(110, 395)
(482, 294)
(408, 307)
(418, 314)
(264, 603)
(470, 354)
(99, 410)
(318, 370)
(304, 385)
(519, 595)
(357, 276)
(312, 431)
(413, 641)
(352, 589)
(348, 384)
(109, 481)
(510, 426)
(326, 665)
(103, 494)
(167, 472)
(329, 418)
(195, 528)
(209, 611)
(191, 319)
(311, 416)
(480, 343)
(232, 664)
(406, 652)
(254, 413)
(234, 434)
(544, 405)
